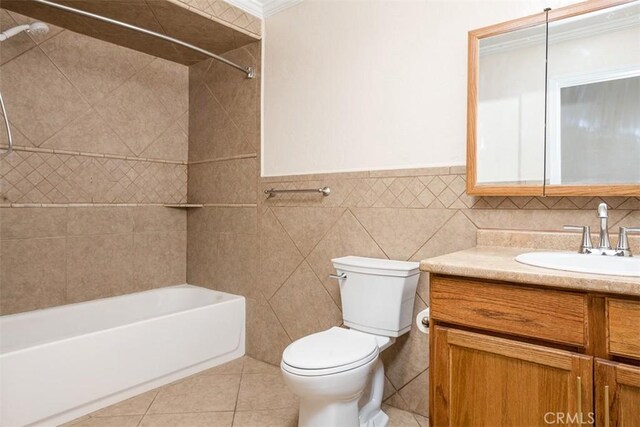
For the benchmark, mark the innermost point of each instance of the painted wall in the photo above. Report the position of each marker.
(355, 85)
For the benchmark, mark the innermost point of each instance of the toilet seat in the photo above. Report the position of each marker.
(329, 352)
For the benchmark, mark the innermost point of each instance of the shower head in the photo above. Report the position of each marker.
(37, 28)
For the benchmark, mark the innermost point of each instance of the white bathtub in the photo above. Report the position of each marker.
(60, 363)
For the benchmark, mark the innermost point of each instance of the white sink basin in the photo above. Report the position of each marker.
(595, 264)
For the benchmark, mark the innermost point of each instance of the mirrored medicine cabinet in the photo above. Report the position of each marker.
(554, 103)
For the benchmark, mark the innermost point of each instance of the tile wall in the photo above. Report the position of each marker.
(101, 142)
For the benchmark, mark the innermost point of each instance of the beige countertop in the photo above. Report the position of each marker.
(498, 263)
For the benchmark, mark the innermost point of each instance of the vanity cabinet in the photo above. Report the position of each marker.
(510, 354)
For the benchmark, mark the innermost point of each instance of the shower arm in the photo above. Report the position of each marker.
(249, 71)
(6, 124)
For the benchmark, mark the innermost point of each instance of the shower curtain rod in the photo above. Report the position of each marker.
(249, 71)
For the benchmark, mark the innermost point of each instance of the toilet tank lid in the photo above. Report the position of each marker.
(388, 265)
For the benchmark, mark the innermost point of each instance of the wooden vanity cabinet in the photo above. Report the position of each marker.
(507, 354)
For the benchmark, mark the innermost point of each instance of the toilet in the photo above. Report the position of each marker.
(337, 373)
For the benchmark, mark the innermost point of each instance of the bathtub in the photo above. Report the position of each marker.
(60, 363)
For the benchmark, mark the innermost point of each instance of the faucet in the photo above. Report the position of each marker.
(603, 214)
(604, 248)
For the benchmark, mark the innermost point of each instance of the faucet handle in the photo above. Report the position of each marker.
(623, 241)
(586, 245)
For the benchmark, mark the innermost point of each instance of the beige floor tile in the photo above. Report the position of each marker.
(253, 366)
(233, 367)
(200, 393)
(423, 421)
(123, 421)
(264, 391)
(137, 405)
(400, 418)
(203, 419)
(287, 417)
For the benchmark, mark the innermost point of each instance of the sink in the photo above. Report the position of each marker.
(595, 264)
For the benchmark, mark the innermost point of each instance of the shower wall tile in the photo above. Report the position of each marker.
(53, 256)
(99, 266)
(32, 274)
(27, 223)
(159, 259)
(230, 181)
(224, 11)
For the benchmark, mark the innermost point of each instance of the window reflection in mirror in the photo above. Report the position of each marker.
(510, 108)
(593, 115)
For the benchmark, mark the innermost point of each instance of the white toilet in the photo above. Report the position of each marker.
(337, 373)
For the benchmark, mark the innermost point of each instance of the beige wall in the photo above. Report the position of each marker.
(366, 85)
(101, 142)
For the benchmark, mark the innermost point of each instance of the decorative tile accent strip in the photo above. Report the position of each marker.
(87, 154)
(219, 10)
(45, 178)
(224, 159)
(421, 191)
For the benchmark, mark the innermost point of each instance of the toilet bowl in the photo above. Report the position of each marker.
(331, 372)
(337, 373)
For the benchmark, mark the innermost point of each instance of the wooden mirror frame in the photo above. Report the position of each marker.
(475, 189)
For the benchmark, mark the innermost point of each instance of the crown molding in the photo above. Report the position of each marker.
(263, 8)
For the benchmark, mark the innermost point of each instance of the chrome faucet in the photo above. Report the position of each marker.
(603, 214)
(604, 248)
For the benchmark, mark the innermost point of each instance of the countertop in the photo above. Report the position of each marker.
(498, 263)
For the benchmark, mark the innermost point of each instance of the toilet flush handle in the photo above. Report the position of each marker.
(341, 276)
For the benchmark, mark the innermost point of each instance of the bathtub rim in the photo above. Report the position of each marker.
(3, 354)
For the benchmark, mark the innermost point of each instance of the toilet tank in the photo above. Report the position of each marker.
(377, 294)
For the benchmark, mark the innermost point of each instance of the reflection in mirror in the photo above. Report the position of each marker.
(510, 108)
(593, 120)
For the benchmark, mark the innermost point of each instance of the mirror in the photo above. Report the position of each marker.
(554, 103)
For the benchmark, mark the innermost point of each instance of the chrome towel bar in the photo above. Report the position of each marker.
(325, 191)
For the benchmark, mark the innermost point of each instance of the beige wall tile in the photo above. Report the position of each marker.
(159, 218)
(401, 232)
(346, 237)
(303, 305)
(40, 98)
(94, 67)
(32, 274)
(99, 220)
(88, 133)
(409, 355)
(416, 394)
(457, 234)
(159, 259)
(266, 338)
(306, 226)
(19, 43)
(202, 256)
(99, 266)
(24, 223)
(232, 181)
(224, 220)
(171, 145)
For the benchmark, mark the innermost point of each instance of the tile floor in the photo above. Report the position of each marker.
(241, 393)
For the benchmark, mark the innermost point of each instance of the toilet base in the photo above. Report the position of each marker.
(379, 420)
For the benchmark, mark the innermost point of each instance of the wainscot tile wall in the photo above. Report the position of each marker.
(101, 134)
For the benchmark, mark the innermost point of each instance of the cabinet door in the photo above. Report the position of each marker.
(479, 380)
(617, 394)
